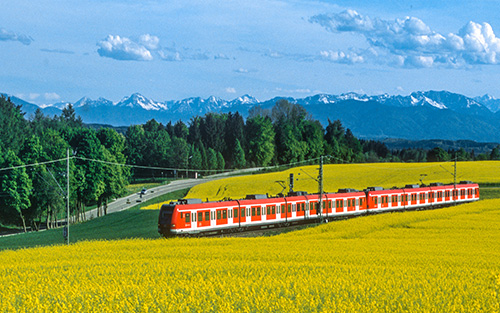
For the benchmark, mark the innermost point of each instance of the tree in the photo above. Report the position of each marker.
(135, 144)
(220, 161)
(260, 140)
(238, 156)
(211, 159)
(313, 137)
(180, 130)
(15, 187)
(87, 146)
(13, 126)
(69, 118)
(212, 131)
(196, 161)
(179, 153)
(437, 155)
(495, 153)
(234, 130)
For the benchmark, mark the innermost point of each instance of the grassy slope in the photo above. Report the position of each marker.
(132, 223)
(136, 223)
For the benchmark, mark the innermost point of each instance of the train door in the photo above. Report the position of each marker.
(270, 212)
(221, 218)
(313, 208)
(300, 209)
(339, 206)
(256, 213)
(185, 220)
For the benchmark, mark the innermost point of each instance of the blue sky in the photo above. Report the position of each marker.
(62, 50)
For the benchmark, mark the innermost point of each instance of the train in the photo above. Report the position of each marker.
(193, 217)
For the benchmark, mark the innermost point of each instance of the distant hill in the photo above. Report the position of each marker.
(467, 145)
(418, 116)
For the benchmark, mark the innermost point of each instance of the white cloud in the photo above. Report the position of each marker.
(170, 56)
(123, 48)
(241, 70)
(413, 43)
(51, 96)
(149, 42)
(6, 35)
(230, 90)
(342, 57)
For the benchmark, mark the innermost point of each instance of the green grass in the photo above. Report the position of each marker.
(489, 193)
(132, 223)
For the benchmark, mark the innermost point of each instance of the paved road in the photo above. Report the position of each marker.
(134, 199)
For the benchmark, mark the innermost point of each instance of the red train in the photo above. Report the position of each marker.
(194, 217)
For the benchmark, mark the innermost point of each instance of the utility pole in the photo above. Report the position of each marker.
(320, 186)
(67, 196)
(455, 179)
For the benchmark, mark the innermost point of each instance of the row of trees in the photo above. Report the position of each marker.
(32, 194)
(285, 134)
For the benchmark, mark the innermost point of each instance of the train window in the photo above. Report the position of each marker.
(242, 212)
(360, 201)
(194, 217)
(294, 207)
(289, 208)
(230, 213)
(235, 213)
(248, 211)
(357, 202)
(207, 216)
(477, 192)
(224, 214)
(253, 211)
(188, 218)
(200, 216)
(268, 210)
(273, 210)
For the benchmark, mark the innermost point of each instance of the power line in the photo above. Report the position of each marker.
(31, 165)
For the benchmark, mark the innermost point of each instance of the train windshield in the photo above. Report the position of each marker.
(165, 218)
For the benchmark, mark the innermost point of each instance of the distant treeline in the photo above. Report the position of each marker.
(213, 142)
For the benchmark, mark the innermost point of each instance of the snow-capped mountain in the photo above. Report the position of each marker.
(420, 115)
(137, 100)
(92, 103)
(490, 102)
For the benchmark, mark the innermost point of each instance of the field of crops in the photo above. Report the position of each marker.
(445, 260)
(358, 176)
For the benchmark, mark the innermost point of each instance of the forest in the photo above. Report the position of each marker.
(33, 153)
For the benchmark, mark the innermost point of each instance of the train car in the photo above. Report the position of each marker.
(194, 217)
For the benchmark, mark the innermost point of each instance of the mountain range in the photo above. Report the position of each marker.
(418, 116)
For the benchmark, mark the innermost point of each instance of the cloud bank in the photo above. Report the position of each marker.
(6, 35)
(410, 42)
(146, 48)
(123, 48)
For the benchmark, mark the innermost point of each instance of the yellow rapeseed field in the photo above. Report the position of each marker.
(445, 260)
(358, 176)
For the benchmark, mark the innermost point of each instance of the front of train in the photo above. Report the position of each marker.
(165, 219)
